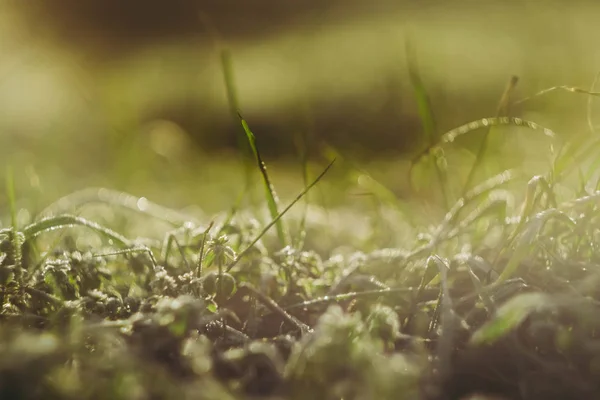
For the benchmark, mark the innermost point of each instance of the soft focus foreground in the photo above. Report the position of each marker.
(427, 262)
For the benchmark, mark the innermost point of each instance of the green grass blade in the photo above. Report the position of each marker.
(278, 217)
(67, 221)
(271, 195)
(451, 135)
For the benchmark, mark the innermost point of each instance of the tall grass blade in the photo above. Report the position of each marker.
(271, 195)
(278, 217)
(451, 135)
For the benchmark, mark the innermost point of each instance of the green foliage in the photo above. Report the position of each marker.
(501, 281)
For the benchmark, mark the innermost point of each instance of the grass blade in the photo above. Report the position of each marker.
(450, 136)
(272, 199)
(274, 221)
(67, 221)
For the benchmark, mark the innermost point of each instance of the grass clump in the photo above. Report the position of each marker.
(498, 295)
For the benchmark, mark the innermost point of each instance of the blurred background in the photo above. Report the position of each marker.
(131, 95)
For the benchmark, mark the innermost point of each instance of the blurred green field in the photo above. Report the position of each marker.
(155, 120)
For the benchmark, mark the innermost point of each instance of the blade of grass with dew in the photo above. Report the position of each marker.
(67, 221)
(271, 195)
(503, 108)
(427, 118)
(278, 217)
(115, 198)
(570, 89)
(451, 135)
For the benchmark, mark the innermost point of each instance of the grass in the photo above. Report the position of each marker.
(489, 288)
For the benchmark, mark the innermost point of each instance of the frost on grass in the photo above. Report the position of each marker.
(345, 357)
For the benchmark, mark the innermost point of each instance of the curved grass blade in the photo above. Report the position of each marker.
(272, 199)
(68, 221)
(115, 198)
(450, 136)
